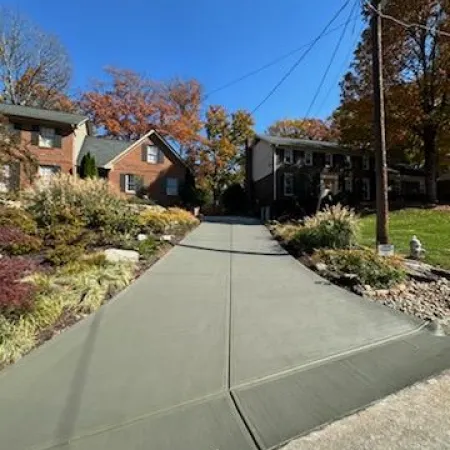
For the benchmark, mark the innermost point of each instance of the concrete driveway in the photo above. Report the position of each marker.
(226, 343)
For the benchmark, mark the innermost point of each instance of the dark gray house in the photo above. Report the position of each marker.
(284, 171)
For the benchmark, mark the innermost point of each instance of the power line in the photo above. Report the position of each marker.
(345, 63)
(271, 63)
(302, 57)
(330, 63)
(405, 24)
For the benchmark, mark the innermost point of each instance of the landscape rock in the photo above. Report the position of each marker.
(142, 237)
(425, 300)
(119, 255)
(321, 267)
(166, 238)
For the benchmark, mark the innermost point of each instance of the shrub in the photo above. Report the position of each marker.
(16, 295)
(15, 242)
(180, 218)
(234, 199)
(147, 248)
(372, 269)
(154, 220)
(335, 228)
(17, 218)
(63, 254)
(16, 339)
(68, 199)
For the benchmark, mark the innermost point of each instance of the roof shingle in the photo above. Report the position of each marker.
(104, 150)
(41, 114)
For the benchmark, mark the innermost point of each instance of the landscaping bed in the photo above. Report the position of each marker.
(331, 243)
(68, 247)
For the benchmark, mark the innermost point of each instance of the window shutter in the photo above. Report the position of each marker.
(35, 135)
(57, 143)
(160, 157)
(144, 153)
(122, 182)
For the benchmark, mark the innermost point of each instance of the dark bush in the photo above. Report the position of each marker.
(15, 295)
(17, 218)
(15, 242)
(234, 199)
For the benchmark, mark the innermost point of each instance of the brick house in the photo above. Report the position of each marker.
(59, 141)
(280, 171)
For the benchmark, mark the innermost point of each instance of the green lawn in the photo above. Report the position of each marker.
(430, 226)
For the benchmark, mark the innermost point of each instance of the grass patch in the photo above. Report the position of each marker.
(432, 227)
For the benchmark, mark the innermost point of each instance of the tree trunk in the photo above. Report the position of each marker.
(431, 162)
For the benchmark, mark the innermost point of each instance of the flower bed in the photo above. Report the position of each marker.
(61, 231)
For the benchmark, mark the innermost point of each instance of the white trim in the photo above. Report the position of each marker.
(349, 161)
(127, 179)
(155, 156)
(330, 156)
(130, 147)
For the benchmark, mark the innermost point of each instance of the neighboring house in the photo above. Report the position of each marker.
(280, 170)
(60, 140)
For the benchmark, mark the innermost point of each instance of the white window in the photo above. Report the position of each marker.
(308, 159)
(288, 184)
(366, 163)
(5, 174)
(348, 162)
(46, 137)
(348, 184)
(131, 183)
(329, 159)
(172, 186)
(366, 189)
(47, 172)
(288, 156)
(152, 154)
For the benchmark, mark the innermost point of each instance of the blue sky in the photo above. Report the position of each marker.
(214, 41)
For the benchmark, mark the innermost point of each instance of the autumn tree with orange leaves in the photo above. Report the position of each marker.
(128, 105)
(219, 157)
(417, 86)
(312, 129)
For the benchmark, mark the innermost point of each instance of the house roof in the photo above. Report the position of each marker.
(306, 144)
(104, 150)
(41, 114)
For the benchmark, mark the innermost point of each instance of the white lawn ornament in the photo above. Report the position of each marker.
(416, 249)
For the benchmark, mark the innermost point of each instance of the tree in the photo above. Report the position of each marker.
(129, 105)
(313, 129)
(417, 70)
(219, 158)
(12, 153)
(88, 168)
(34, 66)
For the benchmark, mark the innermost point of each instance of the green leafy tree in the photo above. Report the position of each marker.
(88, 168)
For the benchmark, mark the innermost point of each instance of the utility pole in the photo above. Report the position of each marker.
(382, 200)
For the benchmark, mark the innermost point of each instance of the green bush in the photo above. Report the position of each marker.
(63, 254)
(68, 199)
(372, 269)
(17, 218)
(148, 247)
(335, 228)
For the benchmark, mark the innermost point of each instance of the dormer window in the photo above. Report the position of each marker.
(308, 159)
